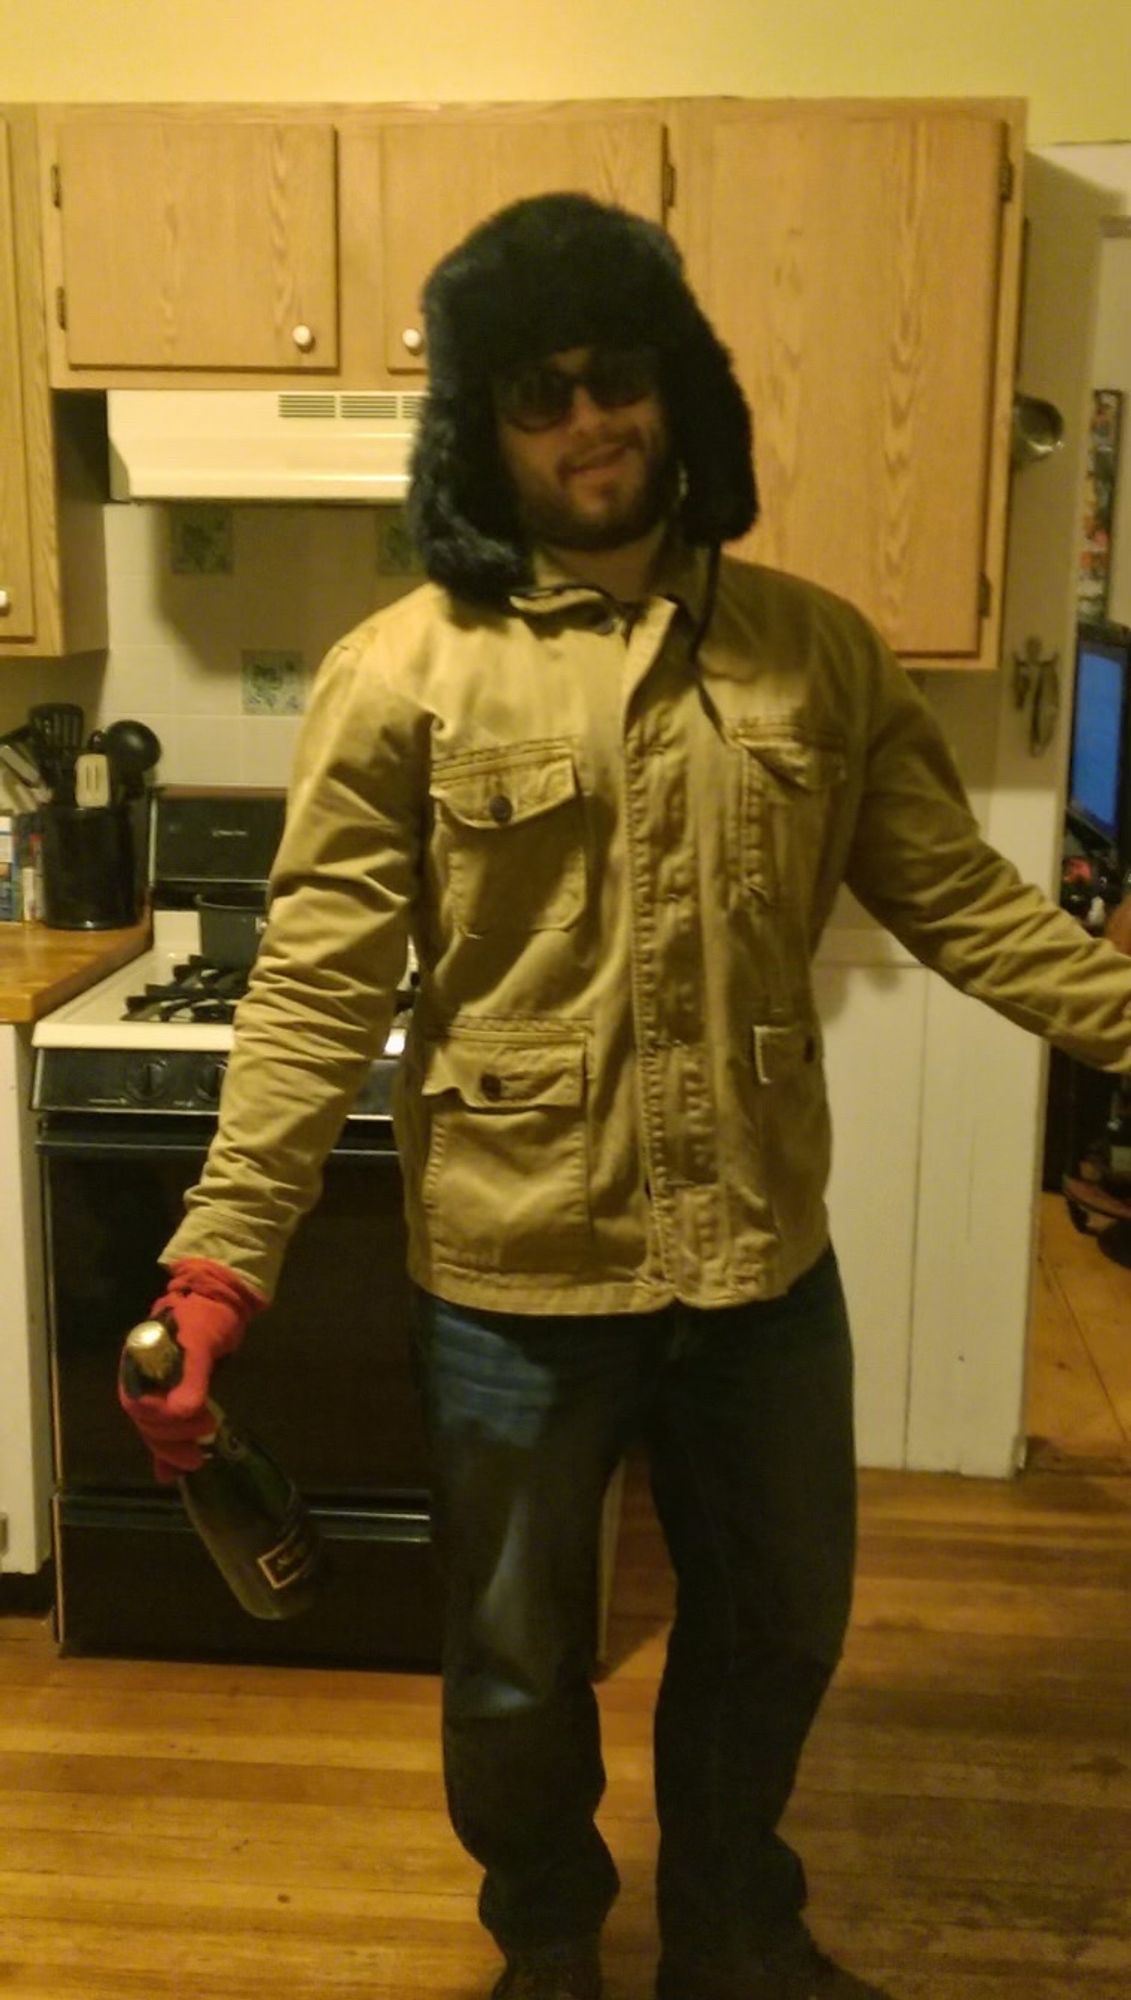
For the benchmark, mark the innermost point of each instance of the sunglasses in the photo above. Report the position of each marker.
(540, 396)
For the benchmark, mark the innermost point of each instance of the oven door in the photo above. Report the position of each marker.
(324, 1379)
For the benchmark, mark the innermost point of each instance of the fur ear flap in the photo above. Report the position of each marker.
(713, 438)
(460, 512)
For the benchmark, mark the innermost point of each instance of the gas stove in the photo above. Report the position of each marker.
(155, 1036)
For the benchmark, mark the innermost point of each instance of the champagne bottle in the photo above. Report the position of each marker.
(250, 1516)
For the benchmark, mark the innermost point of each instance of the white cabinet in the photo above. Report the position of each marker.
(872, 999)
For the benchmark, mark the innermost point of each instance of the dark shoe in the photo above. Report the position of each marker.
(793, 1969)
(552, 1972)
(796, 1970)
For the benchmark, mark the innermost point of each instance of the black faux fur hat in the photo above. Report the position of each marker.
(549, 273)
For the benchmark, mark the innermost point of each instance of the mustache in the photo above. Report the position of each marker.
(595, 448)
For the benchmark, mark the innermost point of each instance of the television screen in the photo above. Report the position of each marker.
(1099, 729)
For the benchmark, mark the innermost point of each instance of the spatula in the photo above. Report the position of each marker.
(56, 734)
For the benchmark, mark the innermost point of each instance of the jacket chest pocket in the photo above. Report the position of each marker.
(788, 789)
(509, 839)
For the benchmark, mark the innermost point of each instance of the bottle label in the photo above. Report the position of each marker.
(293, 1556)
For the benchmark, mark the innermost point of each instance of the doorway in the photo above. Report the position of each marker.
(1078, 1393)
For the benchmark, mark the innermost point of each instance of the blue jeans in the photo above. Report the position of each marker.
(746, 1414)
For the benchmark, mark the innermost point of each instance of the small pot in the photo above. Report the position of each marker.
(232, 922)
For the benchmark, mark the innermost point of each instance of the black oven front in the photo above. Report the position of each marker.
(324, 1378)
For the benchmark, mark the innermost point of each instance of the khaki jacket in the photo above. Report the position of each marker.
(615, 861)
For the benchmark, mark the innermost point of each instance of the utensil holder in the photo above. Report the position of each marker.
(90, 876)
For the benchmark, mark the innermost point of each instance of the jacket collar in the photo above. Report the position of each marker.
(682, 576)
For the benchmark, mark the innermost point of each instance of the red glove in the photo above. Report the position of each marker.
(208, 1308)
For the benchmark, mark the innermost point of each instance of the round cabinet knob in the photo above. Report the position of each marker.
(413, 340)
(5, 603)
(303, 337)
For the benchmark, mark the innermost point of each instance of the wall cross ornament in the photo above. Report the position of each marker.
(1036, 686)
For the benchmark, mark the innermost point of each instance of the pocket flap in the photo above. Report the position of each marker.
(781, 1051)
(810, 763)
(494, 1076)
(505, 792)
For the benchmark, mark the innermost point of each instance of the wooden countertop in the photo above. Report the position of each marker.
(40, 968)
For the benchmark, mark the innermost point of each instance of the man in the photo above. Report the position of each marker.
(609, 783)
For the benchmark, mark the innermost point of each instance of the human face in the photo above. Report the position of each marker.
(598, 478)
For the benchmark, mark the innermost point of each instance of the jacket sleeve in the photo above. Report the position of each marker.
(321, 995)
(919, 865)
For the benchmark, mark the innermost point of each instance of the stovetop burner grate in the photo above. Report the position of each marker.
(197, 991)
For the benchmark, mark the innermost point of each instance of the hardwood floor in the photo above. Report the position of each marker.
(208, 1833)
(197, 1833)
(1079, 1402)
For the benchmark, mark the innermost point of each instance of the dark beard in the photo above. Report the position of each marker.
(555, 525)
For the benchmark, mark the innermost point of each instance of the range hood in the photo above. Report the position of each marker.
(260, 444)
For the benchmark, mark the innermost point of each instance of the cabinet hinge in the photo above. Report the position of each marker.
(669, 184)
(985, 596)
(56, 185)
(61, 307)
(1008, 180)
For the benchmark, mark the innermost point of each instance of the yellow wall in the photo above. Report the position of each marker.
(1072, 63)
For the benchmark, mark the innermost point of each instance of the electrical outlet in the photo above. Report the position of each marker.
(200, 541)
(272, 683)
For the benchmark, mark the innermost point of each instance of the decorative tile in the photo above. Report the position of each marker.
(273, 683)
(200, 540)
(396, 551)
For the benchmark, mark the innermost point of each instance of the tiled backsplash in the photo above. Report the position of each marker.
(218, 661)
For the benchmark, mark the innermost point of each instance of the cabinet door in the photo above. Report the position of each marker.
(873, 1014)
(17, 608)
(198, 242)
(849, 255)
(438, 179)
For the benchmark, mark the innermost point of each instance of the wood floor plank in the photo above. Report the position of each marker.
(1079, 1391)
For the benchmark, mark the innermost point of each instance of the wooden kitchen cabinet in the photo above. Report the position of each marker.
(197, 241)
(52, 459)
(226, 246)
(860, 261)
(17, 602)
(438, 179)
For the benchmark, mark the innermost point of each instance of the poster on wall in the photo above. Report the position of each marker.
(1094, 575)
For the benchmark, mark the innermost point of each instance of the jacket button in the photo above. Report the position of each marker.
(491, 1085)
(810, 1048)
(500, 809)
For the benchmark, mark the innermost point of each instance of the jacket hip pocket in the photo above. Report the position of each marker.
(509, 839)
(505, 1183)
(788, 785)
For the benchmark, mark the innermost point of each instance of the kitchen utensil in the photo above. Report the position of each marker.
(232, 922)
(56, 736)
(92, 774)
(133, 750)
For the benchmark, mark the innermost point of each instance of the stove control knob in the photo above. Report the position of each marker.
(147, 1080)
(210, 1081)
